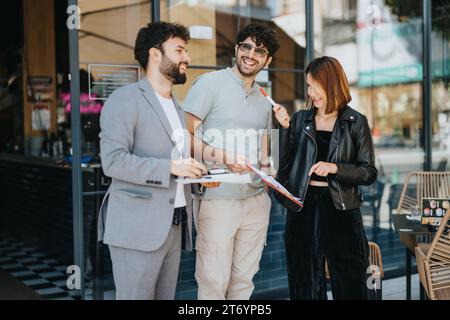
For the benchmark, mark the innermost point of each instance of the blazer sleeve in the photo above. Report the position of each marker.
(117, 123)
(363, 171)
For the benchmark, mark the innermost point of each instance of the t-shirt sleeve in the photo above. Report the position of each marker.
(200, 98)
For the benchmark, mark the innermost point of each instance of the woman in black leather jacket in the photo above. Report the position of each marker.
(325, 153)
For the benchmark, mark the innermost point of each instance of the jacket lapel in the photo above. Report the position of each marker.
(310, 124)
(345, 114)
(153, 101)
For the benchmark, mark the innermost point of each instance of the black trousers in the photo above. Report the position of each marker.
(319, 231)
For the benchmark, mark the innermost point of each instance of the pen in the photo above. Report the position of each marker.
(217, 171)
(267, 96)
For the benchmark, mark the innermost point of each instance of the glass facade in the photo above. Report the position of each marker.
(381, 51)
(213, 46)
(441, 79)
(106, 62)
(378, 42)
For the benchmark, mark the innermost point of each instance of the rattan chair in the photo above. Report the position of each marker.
(433, 263)
(418, 185)
(376, 268)
(428, 184)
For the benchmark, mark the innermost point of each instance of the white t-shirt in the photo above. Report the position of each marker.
(178, 137)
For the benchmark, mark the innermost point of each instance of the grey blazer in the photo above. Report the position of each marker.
(135, 150)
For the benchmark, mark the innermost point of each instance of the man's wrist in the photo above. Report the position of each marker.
(265, 164)
(268, 170)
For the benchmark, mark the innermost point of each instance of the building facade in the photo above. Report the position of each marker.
(62, 59)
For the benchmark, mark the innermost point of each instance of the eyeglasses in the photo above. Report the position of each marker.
(247, 47)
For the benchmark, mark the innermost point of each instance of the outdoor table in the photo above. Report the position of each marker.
(408, 231)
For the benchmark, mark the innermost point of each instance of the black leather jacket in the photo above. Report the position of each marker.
(351, 148)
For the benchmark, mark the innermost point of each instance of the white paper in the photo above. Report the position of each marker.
(223, 178)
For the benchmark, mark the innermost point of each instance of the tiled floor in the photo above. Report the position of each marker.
(48, 278)
(34, 269)
(395, 289)
(41, 273)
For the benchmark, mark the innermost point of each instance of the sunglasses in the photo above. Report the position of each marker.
(247, 47)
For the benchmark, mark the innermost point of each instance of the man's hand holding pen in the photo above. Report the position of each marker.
(187, 168)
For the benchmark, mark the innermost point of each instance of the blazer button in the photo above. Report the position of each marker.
(307, 128)
(172, 201)
(148, 182)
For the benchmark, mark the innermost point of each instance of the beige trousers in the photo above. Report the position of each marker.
(230, 239)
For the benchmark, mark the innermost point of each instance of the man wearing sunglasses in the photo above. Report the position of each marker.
(232, 219)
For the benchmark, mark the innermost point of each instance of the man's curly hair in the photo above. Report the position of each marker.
(154, 35)
(260, 34)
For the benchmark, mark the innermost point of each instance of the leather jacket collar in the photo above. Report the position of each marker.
(346, 113)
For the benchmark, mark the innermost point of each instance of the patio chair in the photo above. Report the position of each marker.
(395, 192)
(433, 263)
(428, 184)
(376, 268)
(418, 185)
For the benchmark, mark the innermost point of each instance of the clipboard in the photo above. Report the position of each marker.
(274, 184)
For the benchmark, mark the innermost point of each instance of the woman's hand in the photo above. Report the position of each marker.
(281, 115)
(323, 169)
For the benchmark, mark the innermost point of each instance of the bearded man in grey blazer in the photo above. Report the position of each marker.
(146, 214)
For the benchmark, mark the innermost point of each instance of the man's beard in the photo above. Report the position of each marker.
(172, 71)
(246, 73)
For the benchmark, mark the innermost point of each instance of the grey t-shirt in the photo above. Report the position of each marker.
(232, 119)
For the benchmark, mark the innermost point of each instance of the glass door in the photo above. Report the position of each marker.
(106, 62)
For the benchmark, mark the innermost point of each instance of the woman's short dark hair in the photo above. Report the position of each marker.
(154, 35)
(330, 76)
(260, 34)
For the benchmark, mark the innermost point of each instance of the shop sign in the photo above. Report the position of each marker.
(105, 78)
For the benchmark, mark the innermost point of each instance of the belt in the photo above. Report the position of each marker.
(179, 216)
